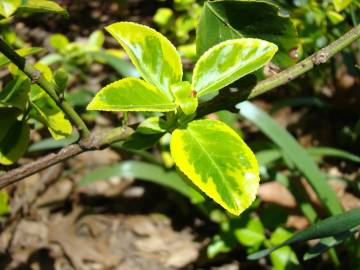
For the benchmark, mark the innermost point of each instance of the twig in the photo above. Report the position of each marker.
(94, 142)
(22, 204)
(50, 88)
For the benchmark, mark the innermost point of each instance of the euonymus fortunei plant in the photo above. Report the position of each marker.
(208, 152)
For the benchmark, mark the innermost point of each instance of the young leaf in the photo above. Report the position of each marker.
(184, 97)
(131, 94)
(153, 55)
(218, 162)
(14, 144)
(228, 19)
(228, 61)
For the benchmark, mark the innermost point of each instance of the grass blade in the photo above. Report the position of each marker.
(145, 171)
(298, 155)
(332, 226)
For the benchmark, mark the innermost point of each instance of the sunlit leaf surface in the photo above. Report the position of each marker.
(217, 161)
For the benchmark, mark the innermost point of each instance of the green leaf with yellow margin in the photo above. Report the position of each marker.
(228, 61)
(152, 54)
(131, 94)
(218, 162)
(15, 142)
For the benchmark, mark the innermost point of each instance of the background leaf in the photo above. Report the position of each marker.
(223, 20)
(143, 171)
(298, 155)
(23, 52)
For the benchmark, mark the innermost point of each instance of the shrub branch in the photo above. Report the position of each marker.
(94, 142)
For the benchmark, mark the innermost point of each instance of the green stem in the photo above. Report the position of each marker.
(48, 87)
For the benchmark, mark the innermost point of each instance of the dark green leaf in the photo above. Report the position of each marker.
(15, 142)
(325, 244)
(140, 141)
(7, 119)
(223, 20)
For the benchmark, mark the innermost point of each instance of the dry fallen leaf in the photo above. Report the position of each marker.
(274, 192)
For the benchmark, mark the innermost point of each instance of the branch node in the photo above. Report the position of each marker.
(90, 143)
(35, 76)
(320, 57)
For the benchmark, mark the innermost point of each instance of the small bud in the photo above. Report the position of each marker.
(61, 79)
